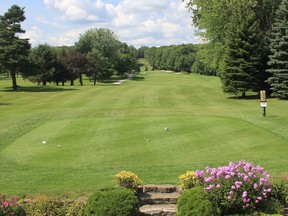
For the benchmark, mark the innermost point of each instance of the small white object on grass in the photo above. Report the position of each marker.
(58, 145)
(43, 142)
(167, 129)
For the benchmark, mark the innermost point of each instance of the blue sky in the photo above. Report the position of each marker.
(138, 23)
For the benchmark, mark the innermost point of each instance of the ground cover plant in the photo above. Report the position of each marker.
(74, 139)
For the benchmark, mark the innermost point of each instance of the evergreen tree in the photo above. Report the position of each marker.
(279, 59)
(243, 60)
(13, 50)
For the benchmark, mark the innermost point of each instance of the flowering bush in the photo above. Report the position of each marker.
(128, 180)
(10, 207)
(187, 180)
(238, 188)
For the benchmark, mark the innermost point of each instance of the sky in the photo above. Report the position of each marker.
(136, 22)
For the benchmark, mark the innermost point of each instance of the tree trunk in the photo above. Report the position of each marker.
(243, 94)
(95, 79)
(71, 82)
(80, 79)
(14, 82)
(44, 83)
(63, 83)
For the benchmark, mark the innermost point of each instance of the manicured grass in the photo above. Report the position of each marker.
(93, 132)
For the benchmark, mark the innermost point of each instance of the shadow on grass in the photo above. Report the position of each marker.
(138, 78)
(5, 104)
(37, 89)
(250, 97)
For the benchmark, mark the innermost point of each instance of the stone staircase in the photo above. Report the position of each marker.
(158, 200)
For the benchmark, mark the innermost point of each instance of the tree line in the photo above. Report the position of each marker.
(246, 43)
(98, 54)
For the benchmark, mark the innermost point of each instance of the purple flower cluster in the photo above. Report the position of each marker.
(239, 183)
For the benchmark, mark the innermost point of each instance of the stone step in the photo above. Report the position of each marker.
(159, 210)
(159, 188)
(158, 198)
(285, 212)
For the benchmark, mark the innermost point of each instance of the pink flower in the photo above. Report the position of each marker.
(246, 178)
(244, 195)
(256, 201)
(231, 192)
(227, 176)
(229, 197)
(247, 205)
(233, 187)
(218, 186)
(6, 204)
(259, 198)
(255, 186)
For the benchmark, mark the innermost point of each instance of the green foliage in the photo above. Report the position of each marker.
(175, 57)
(195, 202)
(105, 54)
(278, 60)
(280, 191)
(112, 202)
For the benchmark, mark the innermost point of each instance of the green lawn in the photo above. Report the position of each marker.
(93, 132)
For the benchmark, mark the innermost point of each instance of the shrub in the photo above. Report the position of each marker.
(128, 180)
(112, 202)
(75, 209)
(45, 205)
(10, 207)
(280, 190)
(238, 188)
(187, 180)
(195, 202)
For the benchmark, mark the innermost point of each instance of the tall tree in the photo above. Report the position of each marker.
(101, 47)
(13, 50)
(279, 47)
(75, 63)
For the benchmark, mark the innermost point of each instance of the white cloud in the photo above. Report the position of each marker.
(149, 22)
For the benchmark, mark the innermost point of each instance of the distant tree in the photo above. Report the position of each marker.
(13, 50)
(101, 48)
(75, 63)
(46, 66)
(126, 59)
(141, 51)
(174, 57)
(279, 59)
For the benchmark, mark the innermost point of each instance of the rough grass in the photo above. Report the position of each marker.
(93, 132)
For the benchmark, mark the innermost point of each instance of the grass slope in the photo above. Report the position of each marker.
(93, 132)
